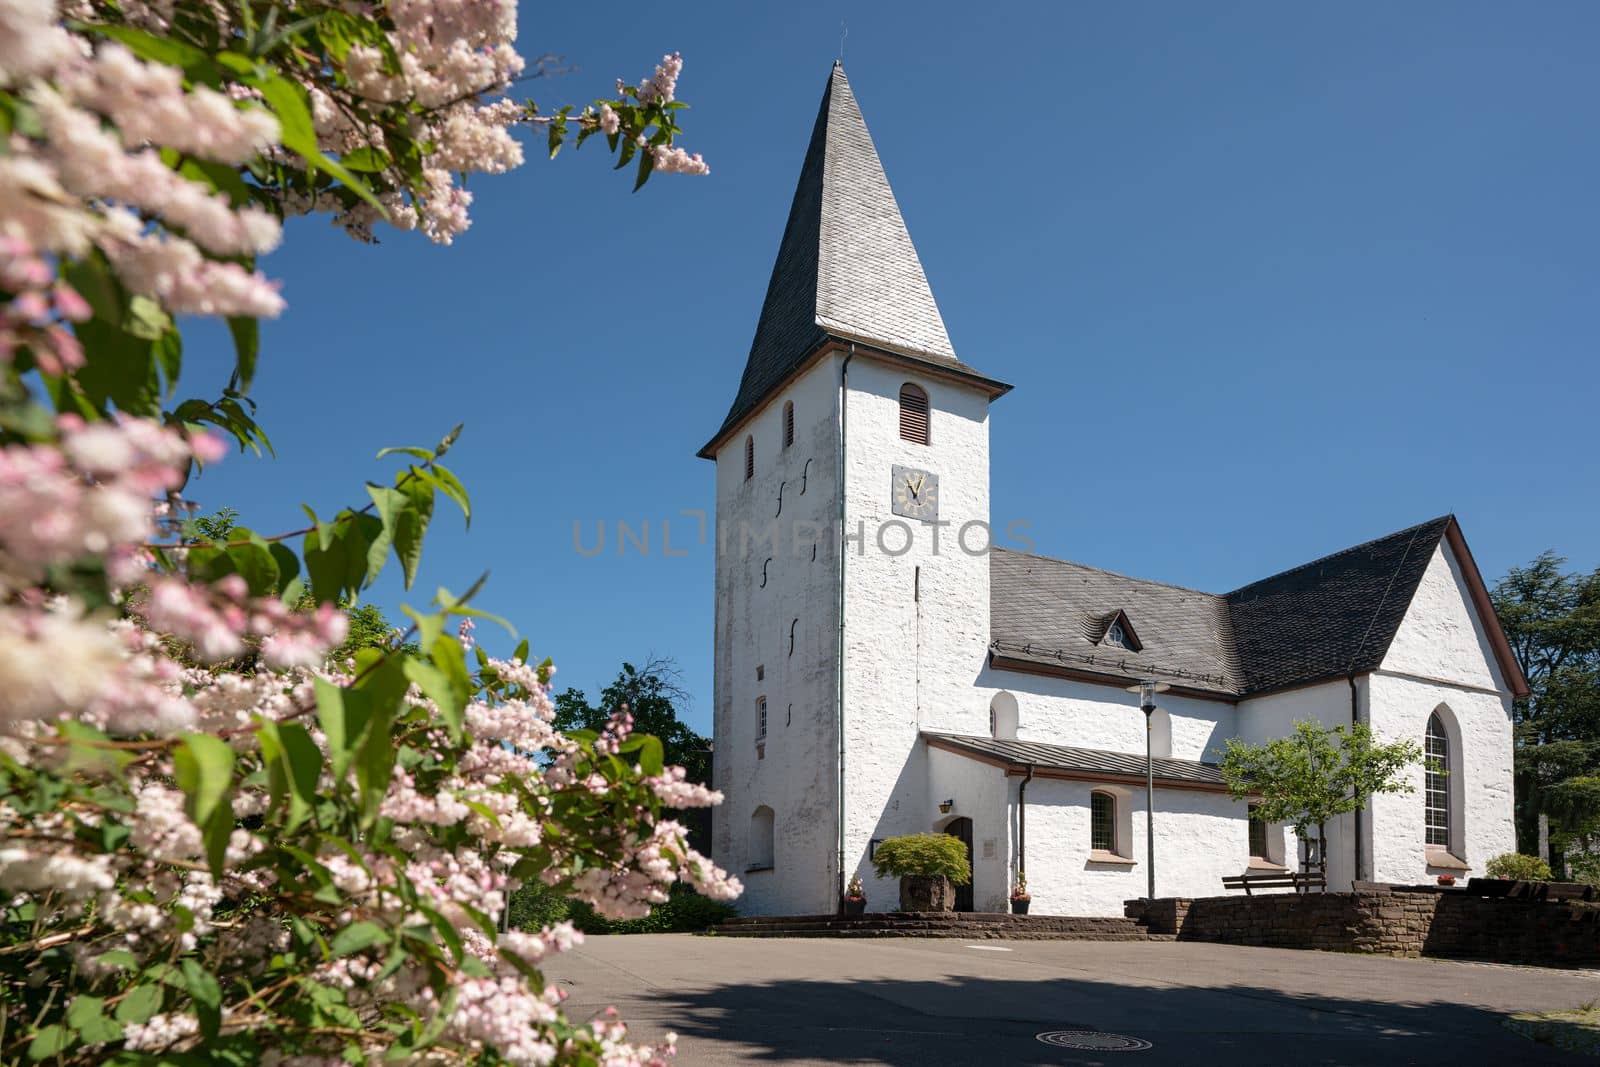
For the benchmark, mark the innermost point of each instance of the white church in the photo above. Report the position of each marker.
(914, 676)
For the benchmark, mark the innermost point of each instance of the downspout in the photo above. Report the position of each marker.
(1022, 824)
(1355, 720)
(838, 716)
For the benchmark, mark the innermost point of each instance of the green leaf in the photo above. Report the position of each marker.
(652, 757)
(139, 1004)
(451, 486)
(207, 995)
(204, 767)
(51, 1041)
(365, 160)
(164, 50)
(437, 687)
(358, 936)
(411, 526)
(246, 348)
(254, 561)
(87, 1015)
(390, 504)
(304, 761)
(342, 714)
(288, 101)
(408, 450)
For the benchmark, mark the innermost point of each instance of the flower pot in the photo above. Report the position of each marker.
(855, 905)
(1019, 905)
(926, 892)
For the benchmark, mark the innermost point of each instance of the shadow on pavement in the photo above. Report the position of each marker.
(967, 1020)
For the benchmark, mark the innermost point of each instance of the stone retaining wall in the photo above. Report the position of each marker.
(1388, 920)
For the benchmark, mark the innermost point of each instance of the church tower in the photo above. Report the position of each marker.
(852, 574)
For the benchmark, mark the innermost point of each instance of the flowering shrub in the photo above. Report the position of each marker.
(1019, 891)
(219, 842)
(855, 890)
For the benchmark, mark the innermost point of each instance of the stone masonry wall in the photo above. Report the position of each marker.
(1388, 921)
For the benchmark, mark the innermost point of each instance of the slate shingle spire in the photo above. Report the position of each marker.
(846, 267)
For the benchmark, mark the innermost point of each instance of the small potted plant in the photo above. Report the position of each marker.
(1020, 897)
(1447, 879)
(855, 897)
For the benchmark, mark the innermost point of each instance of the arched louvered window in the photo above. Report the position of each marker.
(913, 414)
(1436, 784)
(749, 458)
(788, 423)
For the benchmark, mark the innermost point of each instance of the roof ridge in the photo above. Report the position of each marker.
(1114, 574)
(1413, 530)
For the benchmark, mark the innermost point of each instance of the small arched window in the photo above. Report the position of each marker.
(1102, 822)
(913, 414)
(1003, 717)
(788, 423)
(761, 851)
(749, 457)
(1436, 783)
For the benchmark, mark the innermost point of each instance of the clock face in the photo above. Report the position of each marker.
(915, 493)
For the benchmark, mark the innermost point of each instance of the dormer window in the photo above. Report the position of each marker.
(913, 414)
(1119, 632)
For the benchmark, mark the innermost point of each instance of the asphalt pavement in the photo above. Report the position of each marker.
(928, 1003)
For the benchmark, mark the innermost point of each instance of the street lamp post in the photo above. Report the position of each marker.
(1147, 690)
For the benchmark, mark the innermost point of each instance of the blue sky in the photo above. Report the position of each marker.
(1269, 279)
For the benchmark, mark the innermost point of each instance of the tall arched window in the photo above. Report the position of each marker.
(788, 423)
(749, 457)
(761, 854)
(1436, 784)
(913, 414)
(1003, 717)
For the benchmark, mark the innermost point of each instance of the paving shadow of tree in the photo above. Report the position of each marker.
(967, 1020)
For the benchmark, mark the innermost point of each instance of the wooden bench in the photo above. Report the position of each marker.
(1520, 890)
(1300, 883)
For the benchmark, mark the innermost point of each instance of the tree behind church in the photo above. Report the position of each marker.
(653, 693)
(1552, 619)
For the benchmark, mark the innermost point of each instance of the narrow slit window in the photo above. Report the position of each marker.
(749, 458)
(761, 717)
(788, 423)
(1102, 822)
(913, 414)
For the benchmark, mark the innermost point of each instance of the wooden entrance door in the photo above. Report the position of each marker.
(962, 828)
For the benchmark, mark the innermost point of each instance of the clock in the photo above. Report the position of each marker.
(914, 493)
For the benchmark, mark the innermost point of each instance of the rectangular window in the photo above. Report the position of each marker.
(761, 717)
(1102, 822)
(1258, 834)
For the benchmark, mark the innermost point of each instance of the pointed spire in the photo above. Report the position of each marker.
(846, 267)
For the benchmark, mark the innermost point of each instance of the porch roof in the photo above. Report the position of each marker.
(1093, 764)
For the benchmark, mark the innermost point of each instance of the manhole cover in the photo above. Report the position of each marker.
(1092, 1039)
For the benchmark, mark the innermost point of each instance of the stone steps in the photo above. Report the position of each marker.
(965, 925)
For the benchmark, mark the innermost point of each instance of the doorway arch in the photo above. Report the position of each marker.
(962, 830)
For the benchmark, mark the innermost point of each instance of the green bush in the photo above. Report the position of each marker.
(923, 854)
(1583, 867)
(685, 911)
(1522, 868)
(536, 905)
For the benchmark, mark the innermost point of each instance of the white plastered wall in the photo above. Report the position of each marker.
(909, 657)
(796, 777)
(1441, 657)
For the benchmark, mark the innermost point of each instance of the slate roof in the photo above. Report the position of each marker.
(1079, 760)
(846, 267)
(1325, 619)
